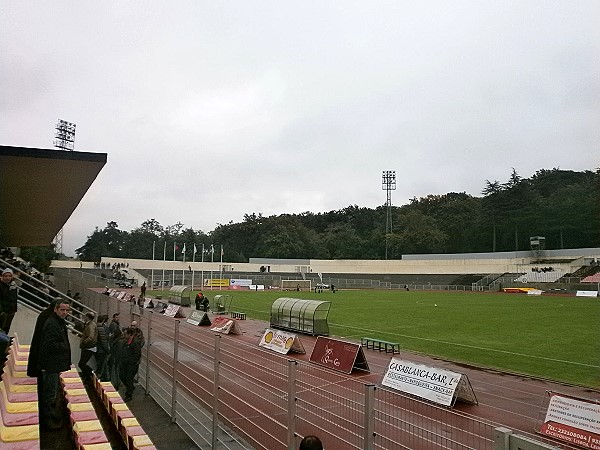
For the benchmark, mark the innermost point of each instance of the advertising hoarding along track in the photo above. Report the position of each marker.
(430, 383)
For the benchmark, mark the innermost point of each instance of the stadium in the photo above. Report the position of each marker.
(224, 390)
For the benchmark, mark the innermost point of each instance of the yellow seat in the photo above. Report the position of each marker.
(19, 433)
(17, 407)
(75, 391)
(141, 441)
(103, 446)
(21, 388)
(120, 406)
(80, 407)
(87, 425)
(130, 422)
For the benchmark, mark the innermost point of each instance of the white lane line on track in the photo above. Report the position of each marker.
(472, 346)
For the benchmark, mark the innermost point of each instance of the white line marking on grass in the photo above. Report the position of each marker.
(470, 346)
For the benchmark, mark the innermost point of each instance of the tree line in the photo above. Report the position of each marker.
(561, 205)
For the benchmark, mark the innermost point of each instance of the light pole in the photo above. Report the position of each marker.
(388, 183)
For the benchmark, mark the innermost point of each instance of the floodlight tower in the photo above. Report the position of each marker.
(65, 140)
(65, 135)
(388, 184)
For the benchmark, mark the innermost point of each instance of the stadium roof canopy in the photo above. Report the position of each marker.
(40, 189)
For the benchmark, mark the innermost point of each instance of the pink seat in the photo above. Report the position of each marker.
(90, 437)
(12, 419)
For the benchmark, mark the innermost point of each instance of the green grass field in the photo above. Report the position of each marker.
(553, 337)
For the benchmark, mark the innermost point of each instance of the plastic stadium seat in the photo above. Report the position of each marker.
(140, 442)
(17, 407)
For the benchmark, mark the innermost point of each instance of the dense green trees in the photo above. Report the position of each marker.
(563, 206)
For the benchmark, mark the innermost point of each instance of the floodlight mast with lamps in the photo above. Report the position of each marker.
(65, 140)
(388, 183)
(65, 135)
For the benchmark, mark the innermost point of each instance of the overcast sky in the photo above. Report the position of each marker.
(211, 110)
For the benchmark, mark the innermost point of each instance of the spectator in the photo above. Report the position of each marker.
(34, 350)
(143, 290)
(130, 361)
(115, 350)
(138, 332)
(205, 303)
(89, 339)
(310, 443)
(8, 299)
(103, 349)
(54, 357)
(198, 300)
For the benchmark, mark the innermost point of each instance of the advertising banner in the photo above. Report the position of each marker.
(198, 318)
(240, 282)
(281, 342)
(434, 384)
(225, 325)
(216, 282)
(339, 355)
(172, 311)
(573, 420)
(587, 294)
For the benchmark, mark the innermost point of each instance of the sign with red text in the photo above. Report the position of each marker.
(281, 342)
(430, 383)
(339, 355)
(225, 325)
(573, 420)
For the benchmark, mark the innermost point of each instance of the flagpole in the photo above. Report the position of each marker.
(152, 273)
(202, 269)
(221, 268)
(212, 259)
(193, 261)
(162, 282)
(174, 245)
(183, 270)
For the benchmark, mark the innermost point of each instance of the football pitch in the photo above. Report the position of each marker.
(552, 337)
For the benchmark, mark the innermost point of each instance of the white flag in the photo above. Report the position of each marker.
(183, 251)
(195, 250)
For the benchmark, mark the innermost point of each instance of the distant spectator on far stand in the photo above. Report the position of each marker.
(143, 290)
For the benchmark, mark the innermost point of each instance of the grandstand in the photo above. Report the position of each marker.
(559, 269)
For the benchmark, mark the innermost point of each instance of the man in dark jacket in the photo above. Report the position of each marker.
(36, 340)
(54, 357)
(8, 299)
(115, 342)
(130, 361)
(103, 348)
